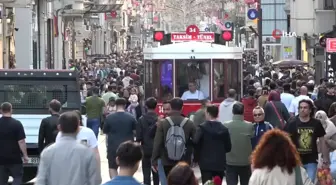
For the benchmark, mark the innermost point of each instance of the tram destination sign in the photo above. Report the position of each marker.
(202, 37)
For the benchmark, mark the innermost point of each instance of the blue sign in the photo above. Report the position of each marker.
(207, 29)
(252, 14)
(228, 25)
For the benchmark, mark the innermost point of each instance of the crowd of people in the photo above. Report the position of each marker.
(279, 133)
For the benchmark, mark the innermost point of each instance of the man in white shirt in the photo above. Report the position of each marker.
(85, 136)
(193, 93)
(286, 96)
(294, 106)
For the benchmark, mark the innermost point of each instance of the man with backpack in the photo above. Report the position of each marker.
(145, 124)
(173, 138)
(260, 126)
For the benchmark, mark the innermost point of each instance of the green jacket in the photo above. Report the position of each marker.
(199, 117)
(94, 107)
(241, 133)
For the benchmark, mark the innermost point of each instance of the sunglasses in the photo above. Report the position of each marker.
(257, 115)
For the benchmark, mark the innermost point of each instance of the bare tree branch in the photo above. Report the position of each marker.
(181, 13)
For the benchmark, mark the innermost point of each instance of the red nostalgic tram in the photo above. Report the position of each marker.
(192, 71)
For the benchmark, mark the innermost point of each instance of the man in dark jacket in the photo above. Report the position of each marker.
(260, 125)
(325, 98)
(159, 150)
(212, 142)
(48, 128)
(145, 124)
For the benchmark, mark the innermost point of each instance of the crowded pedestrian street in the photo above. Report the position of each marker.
(173, 92)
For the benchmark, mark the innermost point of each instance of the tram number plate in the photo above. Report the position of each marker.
(33, 160)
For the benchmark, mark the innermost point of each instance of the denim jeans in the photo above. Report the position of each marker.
(311, 169)
(162, 175)
(93, 124)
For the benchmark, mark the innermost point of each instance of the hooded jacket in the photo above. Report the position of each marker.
(225, 110)
(249, 104)
(145, 124)
(212, 140)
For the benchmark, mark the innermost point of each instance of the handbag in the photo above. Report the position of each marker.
(278, 115)
(298, 176)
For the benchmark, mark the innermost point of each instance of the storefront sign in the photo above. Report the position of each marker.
(329, 69)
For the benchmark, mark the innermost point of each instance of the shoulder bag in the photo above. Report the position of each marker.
(278, 115)
(298, 176)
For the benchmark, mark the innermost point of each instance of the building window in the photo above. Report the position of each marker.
(279, 12)
(281, 24)
(268, 27)
(268, 12)
(267, 2)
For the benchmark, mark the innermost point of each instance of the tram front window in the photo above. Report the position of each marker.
(166, 78)
(159, 79)
(192, 79)
(219, 79)
(226, 75)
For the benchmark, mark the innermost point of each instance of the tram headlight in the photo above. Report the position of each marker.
(158, 36)
(227, 35)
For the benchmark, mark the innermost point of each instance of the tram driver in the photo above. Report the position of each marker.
(193, 93)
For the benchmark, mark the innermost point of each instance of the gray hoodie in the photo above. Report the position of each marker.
(225, 110)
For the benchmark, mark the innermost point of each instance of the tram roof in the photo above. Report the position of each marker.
(199, 50)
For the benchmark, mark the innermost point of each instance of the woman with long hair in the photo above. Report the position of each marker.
(275, 161)
(182, 174)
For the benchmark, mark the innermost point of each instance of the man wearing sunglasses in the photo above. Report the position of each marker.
(260, 126)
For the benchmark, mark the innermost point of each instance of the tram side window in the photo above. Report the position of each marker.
(166, 80)
(148, 78)
(192, 79)
(219, 79)
(233, 75)
(152, 82)
(238, 81)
